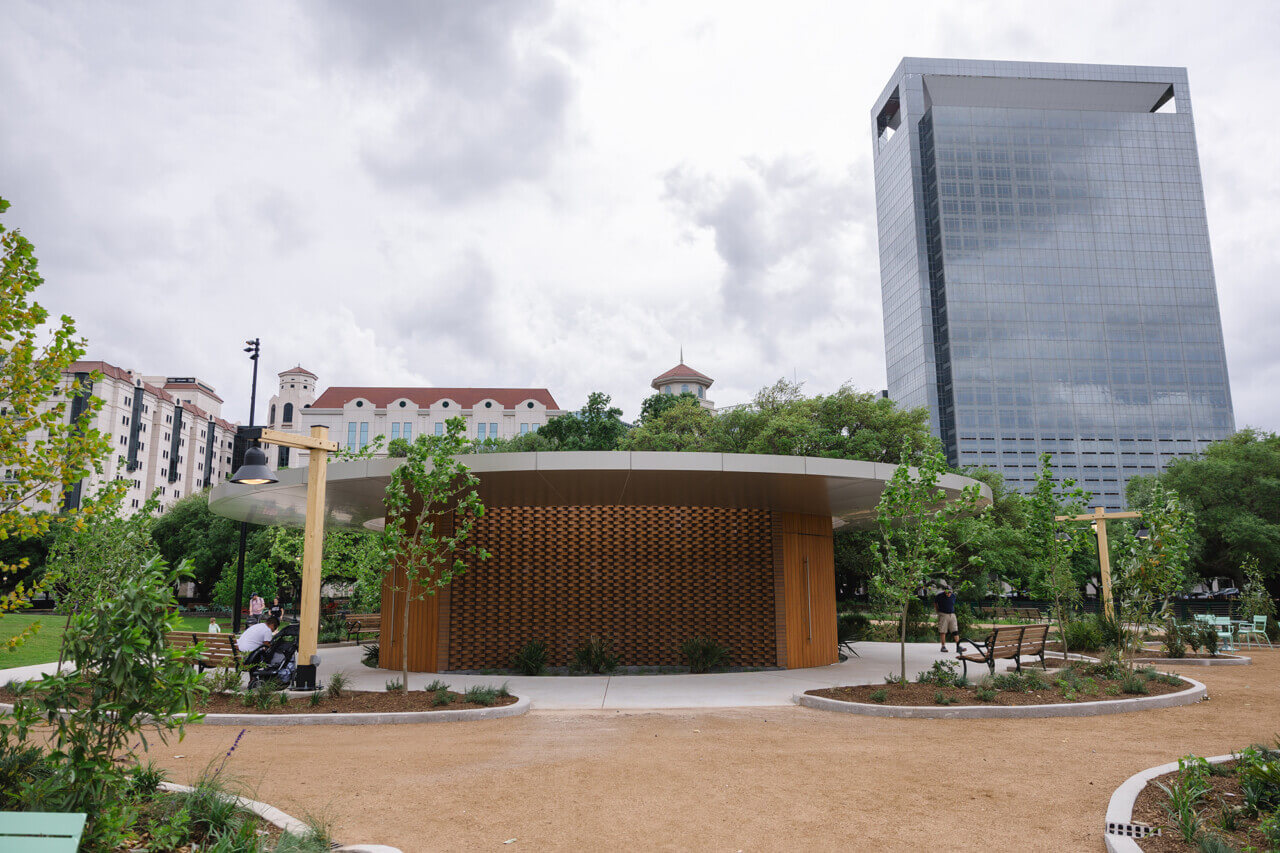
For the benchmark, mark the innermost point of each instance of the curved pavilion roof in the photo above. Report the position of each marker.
(846, 490)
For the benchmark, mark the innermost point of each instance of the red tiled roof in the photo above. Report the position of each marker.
(508, 398)
(298, 369)
(102, 367)
(682, 371)
(163, 395)
(186, 386)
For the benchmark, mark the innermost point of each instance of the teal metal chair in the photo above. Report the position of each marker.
(41, 832)
(1259, 630)
(1225, 631)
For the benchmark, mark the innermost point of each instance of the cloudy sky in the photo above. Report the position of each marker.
(543, 194)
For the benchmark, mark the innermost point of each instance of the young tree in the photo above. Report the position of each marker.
(1052, 545)
(43, 450)
(916, 524)
(1154, 569)
(429, 486)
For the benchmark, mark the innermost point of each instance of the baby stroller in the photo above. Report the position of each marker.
(274, 663)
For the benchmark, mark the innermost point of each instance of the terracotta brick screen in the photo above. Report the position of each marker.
(645, 577)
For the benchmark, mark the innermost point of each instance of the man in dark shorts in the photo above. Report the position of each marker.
(944, 603)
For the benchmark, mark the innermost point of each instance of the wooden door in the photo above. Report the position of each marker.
(809, 583)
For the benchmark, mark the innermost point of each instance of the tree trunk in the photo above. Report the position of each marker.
(1062, 624)
(404, 633)
(902, 646)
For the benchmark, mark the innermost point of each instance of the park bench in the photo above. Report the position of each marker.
(359, 624)
(41, 832)
(219, 649)
(1007, 642)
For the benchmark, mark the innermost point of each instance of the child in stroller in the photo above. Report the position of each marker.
(274, 663)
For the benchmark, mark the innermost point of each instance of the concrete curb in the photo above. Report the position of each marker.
(521, 706)
(289, 824)
(1117, 832)
(1195, 693)
(1220, 660)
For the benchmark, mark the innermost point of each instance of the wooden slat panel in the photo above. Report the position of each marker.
(810, 525)
(645, 577)
(779, 592)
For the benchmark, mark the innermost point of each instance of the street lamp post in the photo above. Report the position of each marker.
(1099, 518)
(254, 348)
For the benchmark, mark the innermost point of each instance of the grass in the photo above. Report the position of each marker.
(42, 647)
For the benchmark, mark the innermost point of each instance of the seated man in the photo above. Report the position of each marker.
(257, 635)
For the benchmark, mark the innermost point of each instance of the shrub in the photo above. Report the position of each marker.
(1208, 638)
(481, 695)
(531, 659)
(436, 686)
(222, 680)
(316, 698)
(852, 627)
(940, 698)
(1083, 635)
(703, 654)
(1175, 638)
(879, 696)
(1184, 795)
(984, 694)
(372, 653)
(505, 690)
(337, 683)
(595, 655)
(1134, 685)
(944, 673)
(441, 697)
(1109, 666)
(333, 629)
(395, 686)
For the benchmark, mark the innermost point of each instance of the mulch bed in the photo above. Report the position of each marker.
(1148, 808)
(1159, 654)
(924, 694)
(351, 702)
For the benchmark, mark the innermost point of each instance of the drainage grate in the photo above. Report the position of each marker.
(1132, 830)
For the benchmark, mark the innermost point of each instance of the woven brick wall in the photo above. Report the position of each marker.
(644, 577)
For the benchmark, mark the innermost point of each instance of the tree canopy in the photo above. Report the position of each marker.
(1233, 491)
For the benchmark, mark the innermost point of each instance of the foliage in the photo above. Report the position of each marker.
(879, 696)
(531, 659)
(914, 520)
(1084, 635)
(655, 405)
(1184, 793)
(944, 673)
(418, 540)
(703, 654)
(1254, 598)
(999, 536)
(43, 450)
(852, 627)
(682, 425)
(596, 426)
(333, 629)
(595, 655)
(371, 654)
(224, 679)
(88, 561)
(398, 448)
(1153, 570)
(436, 684)
(348, 554)
(188, 530)
(1230, 491)
(1175, 638)
(338, 682)
(441, 697)
(126, 683)
(395, 686)
(481, 695)
(1052, 546)
(259, 577)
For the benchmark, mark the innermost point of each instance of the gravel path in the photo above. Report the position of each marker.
(751, 779)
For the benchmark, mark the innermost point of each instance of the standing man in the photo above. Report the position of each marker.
(944, 604)
(255, 608)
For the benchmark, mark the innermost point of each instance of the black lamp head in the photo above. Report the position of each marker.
(254, 470)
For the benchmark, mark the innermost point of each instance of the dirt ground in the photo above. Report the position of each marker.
(740, 780)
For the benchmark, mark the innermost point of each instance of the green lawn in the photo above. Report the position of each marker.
(42, 647)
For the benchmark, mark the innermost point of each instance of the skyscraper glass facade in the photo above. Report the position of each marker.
(1045, 265)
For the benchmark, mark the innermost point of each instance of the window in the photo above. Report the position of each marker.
(524, 429)
(272, 419)
(666, 389)
(493, 430)
(684, 389)
(701, 392)
(364, 434)
(351, 436)
(288, 413)
(480, 431)
(395, 431)
(439, 429)
(407, 434)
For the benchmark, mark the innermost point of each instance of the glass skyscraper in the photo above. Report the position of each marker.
(1045, 267)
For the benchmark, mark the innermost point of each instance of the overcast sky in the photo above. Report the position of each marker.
(540, 194)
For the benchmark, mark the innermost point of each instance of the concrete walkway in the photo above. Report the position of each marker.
(636, 692)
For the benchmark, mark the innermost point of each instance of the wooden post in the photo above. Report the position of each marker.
(313, 551)
(1104, 563)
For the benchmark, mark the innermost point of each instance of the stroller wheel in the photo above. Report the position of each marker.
(254, 683)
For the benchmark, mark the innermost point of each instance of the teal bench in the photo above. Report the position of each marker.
(41, 832)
